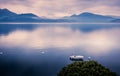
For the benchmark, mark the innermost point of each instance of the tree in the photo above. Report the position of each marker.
(85, 68)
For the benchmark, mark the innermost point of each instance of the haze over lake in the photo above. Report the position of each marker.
(43, 49)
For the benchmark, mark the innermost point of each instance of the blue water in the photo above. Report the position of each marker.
(43, 49)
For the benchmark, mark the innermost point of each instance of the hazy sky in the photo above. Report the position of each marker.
(59, 8)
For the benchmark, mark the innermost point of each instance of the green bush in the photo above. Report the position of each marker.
(85, 68)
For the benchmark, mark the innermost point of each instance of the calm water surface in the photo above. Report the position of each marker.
(43, 49)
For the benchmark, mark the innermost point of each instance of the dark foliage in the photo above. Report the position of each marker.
(85, 68)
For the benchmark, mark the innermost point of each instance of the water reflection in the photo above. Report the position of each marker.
(5, 29)
(95, 41)
(44, 46)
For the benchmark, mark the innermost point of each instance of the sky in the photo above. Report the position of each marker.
(60, 8)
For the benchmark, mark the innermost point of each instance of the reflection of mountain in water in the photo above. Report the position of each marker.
(7, 28)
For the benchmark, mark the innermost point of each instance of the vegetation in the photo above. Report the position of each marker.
(85, 68)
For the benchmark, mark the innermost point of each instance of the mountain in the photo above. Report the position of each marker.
(89, 17)
(116, 20)
(28, 15)
(6, 12)
(8, 16)
(114, 16)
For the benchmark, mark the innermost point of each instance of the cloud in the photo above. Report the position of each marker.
(60, 8)
(97, 42)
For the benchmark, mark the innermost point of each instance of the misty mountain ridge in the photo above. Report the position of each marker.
(88, 14)
(90, 17)
(6, 12)
(9, 16)
(116, 20)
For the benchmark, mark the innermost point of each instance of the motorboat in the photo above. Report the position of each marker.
(76, 58)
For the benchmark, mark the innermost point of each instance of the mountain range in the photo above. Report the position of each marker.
(116, 20)
(9, 16)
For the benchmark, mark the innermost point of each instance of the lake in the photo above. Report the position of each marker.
(43, 49)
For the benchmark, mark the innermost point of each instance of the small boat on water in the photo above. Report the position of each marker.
(76, 58)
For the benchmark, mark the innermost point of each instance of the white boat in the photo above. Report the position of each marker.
(76, 58)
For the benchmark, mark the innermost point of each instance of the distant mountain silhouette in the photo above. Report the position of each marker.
(90, 17)
(116, 20)
(6, 12)
(8, 16)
